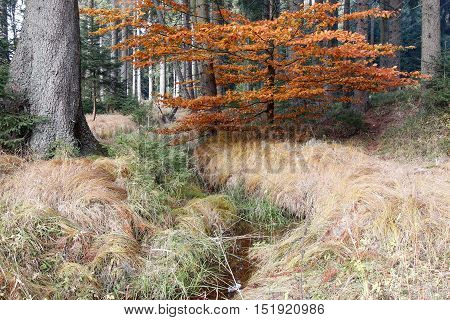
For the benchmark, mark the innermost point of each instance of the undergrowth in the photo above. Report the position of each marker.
(260, 213)
(159, 174)
(106, 228)
(421, 124)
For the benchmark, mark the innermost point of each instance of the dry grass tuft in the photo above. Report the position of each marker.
(372, 228)
(179, 264)
(9, 163)
(66, 230)
(81, 191)
(77, 229)
(211, 216)
(106, 126)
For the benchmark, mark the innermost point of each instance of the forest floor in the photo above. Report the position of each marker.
(359, 217)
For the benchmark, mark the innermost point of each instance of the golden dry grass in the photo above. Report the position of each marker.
(81, 190)
(9, 163)
(371, 228)
(68, 230)
(106, 126)
(71, 213)
(211, 216)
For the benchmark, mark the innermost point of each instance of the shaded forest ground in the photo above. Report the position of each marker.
(367, 217)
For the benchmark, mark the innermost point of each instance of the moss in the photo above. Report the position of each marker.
(191, 191)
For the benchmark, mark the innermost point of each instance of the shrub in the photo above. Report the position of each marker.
(15, 128)
(160, 173)
(3, 78)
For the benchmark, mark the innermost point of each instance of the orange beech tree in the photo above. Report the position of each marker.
(273, 72)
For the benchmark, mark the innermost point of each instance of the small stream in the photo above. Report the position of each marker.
(238, 241)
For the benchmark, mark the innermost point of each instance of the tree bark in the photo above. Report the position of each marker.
(115, 52)
(124, 68)
(94, 73)
(150, 83)
(271, 72)
(431, 36)
(362, 27)
(346, 25)
(207, 77)
(46, 72)
(4, 44)
(391, 31)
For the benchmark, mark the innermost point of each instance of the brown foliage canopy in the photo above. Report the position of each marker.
(289, 68)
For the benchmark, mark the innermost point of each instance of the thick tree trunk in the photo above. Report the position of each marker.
(362, 27)
(431, 36)
(46, 72)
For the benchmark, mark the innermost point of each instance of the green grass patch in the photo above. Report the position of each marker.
(259, 212)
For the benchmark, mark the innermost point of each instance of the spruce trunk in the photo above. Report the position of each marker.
(45, 71)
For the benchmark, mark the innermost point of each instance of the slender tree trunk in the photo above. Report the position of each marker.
(271, 72)
(176, 85)
(207, 78)
(94, 97)
(347, 8)
(362, 27)
(195, 71)
(94, 73)
(188, 65)
(150, 83)
(101, 77)
(139, 84)
(431, 36)
(372, 30)
(334, 42)
(124, 68)
(4, 41)
(162, 78)
(292, 6)
(270, 106)
(46, 72)
(391, 31)
(346, 27)
(177, 67)
(217, 18)
(384, 31)
(115, 52)
(133, 79)
(395, 31)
